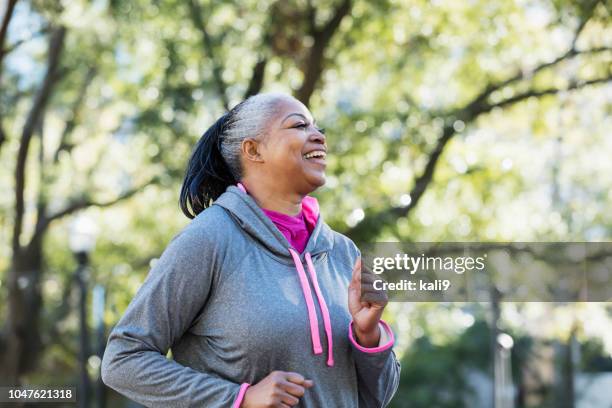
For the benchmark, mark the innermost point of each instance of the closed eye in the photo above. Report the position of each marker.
(304, 125)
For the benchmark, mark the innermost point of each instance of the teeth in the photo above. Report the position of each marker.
(315, 154)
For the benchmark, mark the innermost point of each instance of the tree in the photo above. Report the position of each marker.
(20, 336)
(134, 83)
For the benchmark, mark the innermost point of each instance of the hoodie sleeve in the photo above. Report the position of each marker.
(378, 369)
(174, 292)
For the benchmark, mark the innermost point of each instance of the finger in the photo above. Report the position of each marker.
(289, 399)
(295, 378)
(372, 295)
(369, 280)
(366, 278)
(373, 301)
(308, 383)
(367, 275)
(293, 389)
(366, 269)
(368, 288)
(373, 287)
(375, 297)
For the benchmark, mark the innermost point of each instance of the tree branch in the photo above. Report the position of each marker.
(3, 136)
(6, 20)
(259, 70)
(12, 47)
(311, 14)
(40, 101)
(315, 61)
(257, 78)
(332, 25)
(489, 89)
(41, 201)
(583, 22)
(10, 7)
(570, 53)
(374, 222)
(549, 91)
(76, 109)
(207, 42)
(83, 202)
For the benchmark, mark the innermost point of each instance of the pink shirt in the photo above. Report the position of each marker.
(296, 229)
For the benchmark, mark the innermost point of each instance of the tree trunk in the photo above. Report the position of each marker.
(21, 343)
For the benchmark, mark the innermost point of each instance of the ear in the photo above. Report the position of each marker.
(251, 150)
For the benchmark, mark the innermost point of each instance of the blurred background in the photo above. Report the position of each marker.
(447, 120)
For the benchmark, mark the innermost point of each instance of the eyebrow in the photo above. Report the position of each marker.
(314, 122)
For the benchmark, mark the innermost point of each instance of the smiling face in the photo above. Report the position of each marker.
(292, 154)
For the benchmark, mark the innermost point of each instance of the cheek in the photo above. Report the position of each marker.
(288, 151)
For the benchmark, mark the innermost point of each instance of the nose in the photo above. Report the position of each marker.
(318, 137)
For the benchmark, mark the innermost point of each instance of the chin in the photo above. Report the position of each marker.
(321, 181)
(315, 181)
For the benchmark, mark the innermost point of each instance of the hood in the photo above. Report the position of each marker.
(247, 213)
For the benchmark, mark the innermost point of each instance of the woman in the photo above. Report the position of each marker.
(249, 293)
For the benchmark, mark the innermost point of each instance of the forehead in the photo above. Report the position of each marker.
(292, 109)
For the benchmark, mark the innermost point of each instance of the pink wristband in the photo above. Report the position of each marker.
(241, 394)
(377, 349)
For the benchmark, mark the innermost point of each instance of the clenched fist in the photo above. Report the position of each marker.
(366, 305)
(280, 389)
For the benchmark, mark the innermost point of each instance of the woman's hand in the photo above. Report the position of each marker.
(366, 310)
(280, 389)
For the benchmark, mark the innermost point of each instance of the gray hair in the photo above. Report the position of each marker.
(248, 119)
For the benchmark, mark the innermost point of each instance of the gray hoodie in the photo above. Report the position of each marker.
(234, 303)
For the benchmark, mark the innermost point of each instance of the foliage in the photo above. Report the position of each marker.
(447, 121)
(435, 374)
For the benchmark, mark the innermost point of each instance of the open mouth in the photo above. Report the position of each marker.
(317, 154)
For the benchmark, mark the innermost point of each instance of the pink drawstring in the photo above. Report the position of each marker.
(312, 315)
(324, 310)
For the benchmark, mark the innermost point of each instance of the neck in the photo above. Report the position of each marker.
(272, 198)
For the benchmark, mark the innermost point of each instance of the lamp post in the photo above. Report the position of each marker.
(99, 294)
(83, 233)
(503, 372)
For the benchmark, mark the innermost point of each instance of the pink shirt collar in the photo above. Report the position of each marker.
(296, 229)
